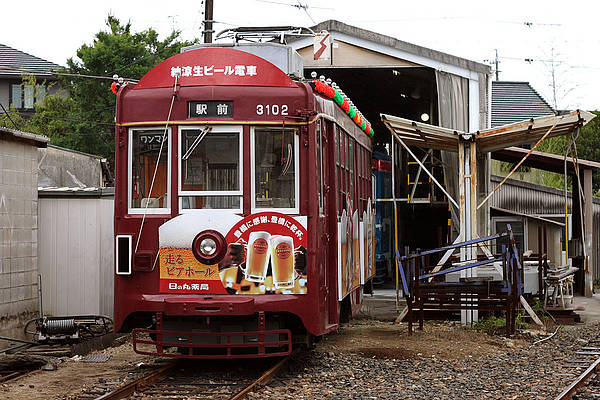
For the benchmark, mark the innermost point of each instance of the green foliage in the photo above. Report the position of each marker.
(81, 117)
(538, 309)
(494, 324)
(588, 148)
(520, 322)
(490, 324)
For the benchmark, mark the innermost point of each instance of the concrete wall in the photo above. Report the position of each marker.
(76, 254)
(68, 168)
(18, 228)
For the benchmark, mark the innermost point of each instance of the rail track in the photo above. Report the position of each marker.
(587, 384)
(185, 379)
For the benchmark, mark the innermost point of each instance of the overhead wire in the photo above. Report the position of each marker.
(162, 143)
(54, 72)
(9, 117)
(68, 119)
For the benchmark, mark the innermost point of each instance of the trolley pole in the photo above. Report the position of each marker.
(208, 21)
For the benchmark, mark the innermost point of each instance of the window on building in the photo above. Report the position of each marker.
(519, 230)
(25, 96)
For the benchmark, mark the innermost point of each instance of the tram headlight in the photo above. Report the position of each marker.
(209, 247)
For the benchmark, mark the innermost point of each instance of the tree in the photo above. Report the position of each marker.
(84, 119)
(588, 148)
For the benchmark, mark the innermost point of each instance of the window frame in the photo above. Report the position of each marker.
(510, 220)
(148, 210)
(239, 129)
(319, 130)
(34, 97)
(253, 208)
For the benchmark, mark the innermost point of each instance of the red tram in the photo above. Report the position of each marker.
(243, 215)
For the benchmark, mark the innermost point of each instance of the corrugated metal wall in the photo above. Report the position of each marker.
(75, 253)
(530, 198)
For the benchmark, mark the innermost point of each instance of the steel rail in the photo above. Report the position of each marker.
(570, 390)
(133, 386)
(264, 378)
(156, 376)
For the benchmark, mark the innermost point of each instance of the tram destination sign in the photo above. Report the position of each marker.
(210, 109)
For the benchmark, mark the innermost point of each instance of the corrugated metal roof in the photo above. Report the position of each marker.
(75, 191)
(337, 26)
(41, 139)
(516, 101)
(13, 62)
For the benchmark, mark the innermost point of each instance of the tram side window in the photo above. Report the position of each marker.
(210, 169)
(320, 164)
(275, 168)
(145, 154)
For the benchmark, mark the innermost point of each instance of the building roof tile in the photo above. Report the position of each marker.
(516, 101)
(14, 62)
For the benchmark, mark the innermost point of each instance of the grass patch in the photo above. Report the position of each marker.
(493, 325)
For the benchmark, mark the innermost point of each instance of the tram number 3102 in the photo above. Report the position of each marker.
(271, 109)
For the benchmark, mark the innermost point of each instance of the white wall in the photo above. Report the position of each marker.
(75, 253)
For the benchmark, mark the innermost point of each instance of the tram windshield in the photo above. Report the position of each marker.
(210, 172)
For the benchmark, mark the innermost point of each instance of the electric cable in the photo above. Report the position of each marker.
(162, 143)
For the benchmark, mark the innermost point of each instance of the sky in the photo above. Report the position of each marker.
(533, 38)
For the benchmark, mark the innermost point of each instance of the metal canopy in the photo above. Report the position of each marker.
(525, 132)
(422, 135)
(545, 161)
(467, 145)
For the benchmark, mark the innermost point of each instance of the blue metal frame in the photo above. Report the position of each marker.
(510, 255)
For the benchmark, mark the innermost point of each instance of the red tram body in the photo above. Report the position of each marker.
(243, 217)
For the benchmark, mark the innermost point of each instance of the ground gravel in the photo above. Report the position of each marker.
(517, 369)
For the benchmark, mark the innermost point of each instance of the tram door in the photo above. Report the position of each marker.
(327, 222)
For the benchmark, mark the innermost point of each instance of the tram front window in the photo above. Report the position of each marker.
(275, 168)
(149, 182)
(210, 168)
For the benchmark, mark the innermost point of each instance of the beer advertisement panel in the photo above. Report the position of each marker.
(368, 240)
(348, 251)
(265, 254)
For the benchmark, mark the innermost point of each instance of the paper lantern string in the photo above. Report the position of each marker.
(328, 91)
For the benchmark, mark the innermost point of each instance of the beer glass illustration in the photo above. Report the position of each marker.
(349, 254)
(282, 261)
(257, 260)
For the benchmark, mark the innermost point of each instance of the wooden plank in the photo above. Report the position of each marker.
(401, 316)
(530, 311)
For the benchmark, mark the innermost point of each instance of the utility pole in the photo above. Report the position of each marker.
(208, 21)
(497, 70)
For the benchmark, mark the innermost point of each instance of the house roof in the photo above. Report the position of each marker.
(14, 62)
(419, 52)
(13, 134)
(516, 101)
